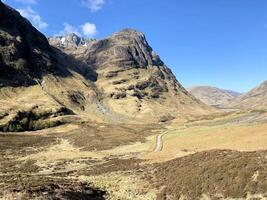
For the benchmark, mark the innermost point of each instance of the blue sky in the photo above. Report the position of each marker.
(220, 43)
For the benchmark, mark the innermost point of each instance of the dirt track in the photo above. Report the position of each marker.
(159, 142)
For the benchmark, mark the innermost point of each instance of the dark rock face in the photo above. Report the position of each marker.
(127, 48)
(25, 54)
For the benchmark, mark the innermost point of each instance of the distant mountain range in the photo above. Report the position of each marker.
(213, 96)
(256, 99)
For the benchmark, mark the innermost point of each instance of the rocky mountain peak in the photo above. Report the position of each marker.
(126, 48)
(71, 40)
(129, 33)
(135, 43)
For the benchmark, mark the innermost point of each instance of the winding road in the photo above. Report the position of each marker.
(159, 142)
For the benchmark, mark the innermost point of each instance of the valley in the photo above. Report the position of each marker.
(95, 119)
(122, 160)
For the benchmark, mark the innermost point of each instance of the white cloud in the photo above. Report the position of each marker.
(89, 29)
(94, 5)
(26, 1)
(69, 29)
(34, 18)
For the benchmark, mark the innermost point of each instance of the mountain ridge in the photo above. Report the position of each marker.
(254, 99)
(217, 97)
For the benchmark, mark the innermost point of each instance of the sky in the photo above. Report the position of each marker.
(221, 43)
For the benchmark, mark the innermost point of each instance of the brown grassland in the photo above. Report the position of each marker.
(215, 157)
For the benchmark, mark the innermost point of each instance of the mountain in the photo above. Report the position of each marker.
(256, 99)
(132, 78)
(25, 53)
(118, 79)
(35, 78)
(233, 93)
(213, 96)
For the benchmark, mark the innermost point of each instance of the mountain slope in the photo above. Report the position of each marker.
(35, 78)
(254, 99)
(133, 80)
(25, 53)
(213, 96)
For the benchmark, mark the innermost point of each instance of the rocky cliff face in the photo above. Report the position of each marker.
(127, 48)
(25, 53)
(256, 99)
(213, 96)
